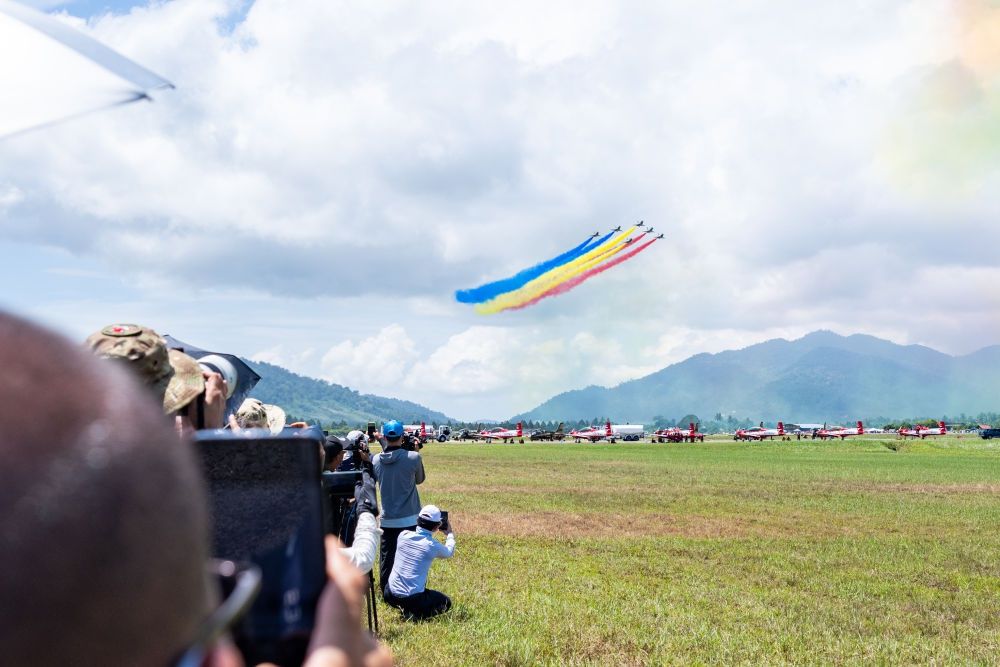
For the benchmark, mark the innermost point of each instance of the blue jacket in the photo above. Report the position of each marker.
(398, 472)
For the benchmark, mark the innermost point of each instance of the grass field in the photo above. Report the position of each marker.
(714, 553)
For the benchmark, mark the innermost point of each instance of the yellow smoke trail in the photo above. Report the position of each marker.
(555, 277)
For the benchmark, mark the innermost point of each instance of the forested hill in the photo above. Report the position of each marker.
(819, 377)
(308, 398)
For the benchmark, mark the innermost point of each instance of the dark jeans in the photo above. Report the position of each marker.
(420, 606)
(387, 554)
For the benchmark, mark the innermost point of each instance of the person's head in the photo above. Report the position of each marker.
(429, 517)
(254, 413)
(392, 431)
(105, 529)
(175, 379)
(334, 453)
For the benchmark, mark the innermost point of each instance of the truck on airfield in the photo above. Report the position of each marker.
(628, 432)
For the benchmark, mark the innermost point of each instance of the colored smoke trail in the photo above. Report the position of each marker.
(491, 290)
(554, 277)
(570, 284)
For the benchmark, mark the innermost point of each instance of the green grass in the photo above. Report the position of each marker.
(714, 553)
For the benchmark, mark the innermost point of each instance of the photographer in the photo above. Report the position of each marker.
(415, 553)
(364, 535)
(398, 472)
(194, 397)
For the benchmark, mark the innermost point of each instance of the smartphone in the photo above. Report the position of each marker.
(267, 507)
(444, 521)
(371, 431)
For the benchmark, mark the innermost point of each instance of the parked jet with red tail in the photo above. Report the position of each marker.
(592, 433)
(674, 434)
(760, 433)
(839, 432)
(505, 434)
(924, 431)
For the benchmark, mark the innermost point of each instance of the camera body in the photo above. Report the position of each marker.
(412, 443)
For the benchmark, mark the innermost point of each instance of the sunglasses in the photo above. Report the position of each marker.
(240, 584)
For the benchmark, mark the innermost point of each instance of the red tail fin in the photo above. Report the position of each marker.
(861, 428)
(693, 429)
(423, 430)
(519, 431)
(942, 427)
(607, 429)
(781, 428)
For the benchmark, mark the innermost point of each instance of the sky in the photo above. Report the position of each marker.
(326, 174)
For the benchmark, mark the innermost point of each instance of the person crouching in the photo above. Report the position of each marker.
(415, 552)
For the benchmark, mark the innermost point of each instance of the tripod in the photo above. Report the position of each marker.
(350, 520)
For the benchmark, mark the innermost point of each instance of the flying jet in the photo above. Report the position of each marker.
(617, 229)
(659, 237)
(595, 235)
(505, 434)
(641, 223)
(923, 431)
(557, 434)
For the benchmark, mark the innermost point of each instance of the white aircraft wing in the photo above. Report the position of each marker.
(50, 72)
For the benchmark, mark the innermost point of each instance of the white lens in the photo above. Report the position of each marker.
(218, 364)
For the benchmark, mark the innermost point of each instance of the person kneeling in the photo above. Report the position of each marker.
(415, 552)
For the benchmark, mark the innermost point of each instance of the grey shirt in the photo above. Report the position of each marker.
(398, 472)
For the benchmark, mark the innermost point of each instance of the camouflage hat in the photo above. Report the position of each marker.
(254, 413)
(174, 377)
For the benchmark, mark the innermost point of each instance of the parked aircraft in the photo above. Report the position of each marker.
(760, 433)
(557, 434)
(924, 431)
(839, 432)
(592, 433)
(505, 434)
(674, 434)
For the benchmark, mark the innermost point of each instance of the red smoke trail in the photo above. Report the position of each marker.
(570, 284)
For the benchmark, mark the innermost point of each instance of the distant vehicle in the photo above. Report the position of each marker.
(444, 433)
(628, 432)
(839, 432)
(923, 431)
(419, 430)
(505, 434)
(760, 433)
(557, 434)
(468, 434)
(989, 433)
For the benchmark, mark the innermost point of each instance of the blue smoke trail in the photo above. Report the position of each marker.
(491, 290)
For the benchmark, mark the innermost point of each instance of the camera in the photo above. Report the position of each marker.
(412, 443)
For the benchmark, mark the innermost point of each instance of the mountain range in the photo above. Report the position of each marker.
(821, 376)
(309, 398)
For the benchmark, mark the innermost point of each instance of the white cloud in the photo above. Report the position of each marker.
(379, 362)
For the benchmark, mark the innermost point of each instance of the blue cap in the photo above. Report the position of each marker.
(392, 429)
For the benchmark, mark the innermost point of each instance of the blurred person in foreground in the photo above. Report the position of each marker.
(415, 553)
(398, 472)
(88, 576)
(196, 398)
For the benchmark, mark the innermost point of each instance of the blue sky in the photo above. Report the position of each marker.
(326, 174)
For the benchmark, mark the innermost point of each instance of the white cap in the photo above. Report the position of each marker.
(430, 513)
(353, 436)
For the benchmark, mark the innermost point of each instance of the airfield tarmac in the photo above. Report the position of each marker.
(716, 552)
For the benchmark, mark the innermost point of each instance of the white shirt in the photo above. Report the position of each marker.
(362, 551)
(415, 551)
